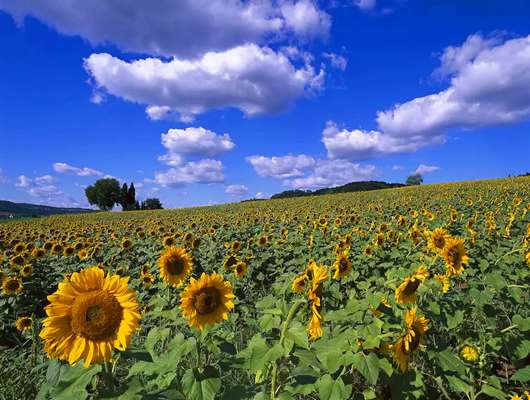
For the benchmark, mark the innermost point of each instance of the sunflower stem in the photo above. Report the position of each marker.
(109, 376)
(292, 312)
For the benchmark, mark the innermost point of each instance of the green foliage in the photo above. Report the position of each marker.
(415, 179)
(104, 193)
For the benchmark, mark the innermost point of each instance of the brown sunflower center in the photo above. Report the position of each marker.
(439, 242)
(411, 286)
(175, 266)
(454, 256)
(12, 285)
(96, 315)
(343, 265)
(207, 300)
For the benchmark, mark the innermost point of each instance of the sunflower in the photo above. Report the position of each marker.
(126, 243)
(455, 255)
(416, 327)
(19, 248)
(207, 300)
(230, 261)
(437, 240)
(18, 260)
(236, 246)
(12, 286)
(68, 251)
(168, 241)
(342, 265)
(26, 271)
(443, 279)
(38, 253)
(24, 324)
(314, 328)
(89, 316)
(527, 258)
(368, 252)
(148, 280)
(83, 254)
(406, 292)
(240, 269)
(175, 265)
(299, 283)
(262, 241)
(469, 353)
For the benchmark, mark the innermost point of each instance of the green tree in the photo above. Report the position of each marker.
(151, 204)
(415, 179)
(123, 196)
(131, 197)
(104, 193)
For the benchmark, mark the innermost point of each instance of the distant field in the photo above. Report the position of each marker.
(407, 293)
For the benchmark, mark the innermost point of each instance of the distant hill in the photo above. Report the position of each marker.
(8, 208)
(349, 187)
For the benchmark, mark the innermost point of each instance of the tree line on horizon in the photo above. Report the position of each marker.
(105, 193)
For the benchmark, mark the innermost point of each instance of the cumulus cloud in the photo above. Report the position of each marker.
(337, 61)
(305, 18)
(65, 168)
(184, 28)
(202, 171)
(236, 190)
(41, 187)
(261, 195)
(425, 169)
(489, 84)
(250, 78)
(359, 144)
(196, 142)
(397, 167)
(330, 173)
(281, 167)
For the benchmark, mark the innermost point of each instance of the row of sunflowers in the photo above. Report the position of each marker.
(409, 293)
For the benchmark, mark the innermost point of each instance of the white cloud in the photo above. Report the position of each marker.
(197, 142)
(490, 83)
(365, 5)
(425, 169)
(185, 28)
(171, 159)
(237, 190)
(358, 144)
(305, 18)
(252, 79)
(281, 167)
(397, 167)
(65, 168)
(261, 195)
(337, 61)
(330, 173)
(41, 187)
(202, 171)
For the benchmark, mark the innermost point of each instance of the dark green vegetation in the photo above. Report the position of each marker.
(19, 210)
(349, 187)
(106, 193)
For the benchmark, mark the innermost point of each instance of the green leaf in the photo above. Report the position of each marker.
(522, 375)
(330, 389)
(368, 366)
(153, 337)
(493, 392)
(522, 323)
(455, 320)
(523, 349)
(254, 354)
(201, 386)
(72, 383)
(449, 362)
(458, 385)
(298, 334)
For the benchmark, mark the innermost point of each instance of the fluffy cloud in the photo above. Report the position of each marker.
(305, 18)
(185, 28)
(237, 190)
(425, 169)
(489, 85)
(337, 61)
(281, 167)
(65, 168)
(358, 144)
(261, 195)
(329, 173)
(203, 171)
(250, 78)
(196, 142)
(42, 186)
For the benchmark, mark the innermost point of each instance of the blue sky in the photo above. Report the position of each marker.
(201, 103)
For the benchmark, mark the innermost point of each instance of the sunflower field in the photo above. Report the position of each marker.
(408, 293)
